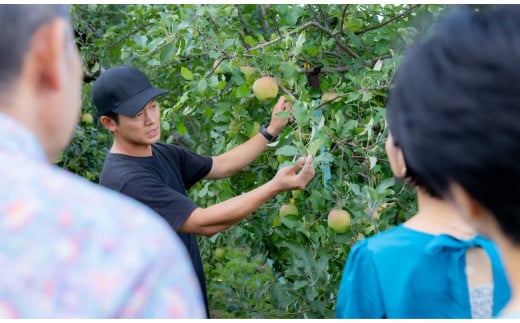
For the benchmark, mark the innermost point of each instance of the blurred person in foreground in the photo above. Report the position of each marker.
(70, 248)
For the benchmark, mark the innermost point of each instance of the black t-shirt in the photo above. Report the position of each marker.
(160, 182)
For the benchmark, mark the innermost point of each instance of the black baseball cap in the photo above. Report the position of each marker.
(124, 90)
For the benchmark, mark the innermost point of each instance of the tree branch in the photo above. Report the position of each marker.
(313, 14)
(343, 18)
(265, 27)
(128, 35)
(322, 14)
(339, 69)
(241, 19)
(215, 27)
(276, 25)
(284, 90)
(413, 7)
(303, 27)
(216, 65)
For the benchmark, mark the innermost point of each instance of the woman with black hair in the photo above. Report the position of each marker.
(454, 120)
(432, 266)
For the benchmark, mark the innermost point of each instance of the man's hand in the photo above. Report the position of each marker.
(277, 124)
(287, 178)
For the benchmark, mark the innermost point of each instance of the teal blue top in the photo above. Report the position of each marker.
(403, 273)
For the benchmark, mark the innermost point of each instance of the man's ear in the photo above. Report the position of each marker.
(108, 123)
(47, 48)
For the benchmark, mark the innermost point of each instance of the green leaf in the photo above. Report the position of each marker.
(288, 70)
(385, 184)
(314, 145)
(165, 125)
(228, 43)
(299, 284)
(299, 43)
(186, 74)
(202, 86)
(316, 200)
(243, 91)
(167, 52)
(301, 113)
(181, 128)
(372, 161)
(250, 40)
(287, 150)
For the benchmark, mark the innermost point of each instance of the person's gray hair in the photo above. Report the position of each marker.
(18, 22)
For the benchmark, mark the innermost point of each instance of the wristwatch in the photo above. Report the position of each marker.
(267, 135)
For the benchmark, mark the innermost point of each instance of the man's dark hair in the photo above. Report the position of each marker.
(18, 22)
(455, 110)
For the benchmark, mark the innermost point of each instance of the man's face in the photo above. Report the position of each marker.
(62, 106)
(73, 85)
(142, 129)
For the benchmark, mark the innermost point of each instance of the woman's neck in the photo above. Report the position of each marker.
(436, 216)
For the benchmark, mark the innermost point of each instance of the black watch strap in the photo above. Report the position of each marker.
(267, 135)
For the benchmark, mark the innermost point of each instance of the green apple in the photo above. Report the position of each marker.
(87, 118)
(288, 209)
(265, 88)
(339, 220)
(220, 252)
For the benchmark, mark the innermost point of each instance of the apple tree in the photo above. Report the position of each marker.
(334, 63)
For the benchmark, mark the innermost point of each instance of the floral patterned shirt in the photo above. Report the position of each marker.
(72, 249)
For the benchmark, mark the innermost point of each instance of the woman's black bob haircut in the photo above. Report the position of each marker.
(455, 110)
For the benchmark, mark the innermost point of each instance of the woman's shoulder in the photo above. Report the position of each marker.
(391, 244)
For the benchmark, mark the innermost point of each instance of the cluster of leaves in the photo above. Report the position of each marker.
(294, 263)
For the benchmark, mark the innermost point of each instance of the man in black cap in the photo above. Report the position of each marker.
(159, 174)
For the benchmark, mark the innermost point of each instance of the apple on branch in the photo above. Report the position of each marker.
(339, 220)
(265, 88)
(288, 209)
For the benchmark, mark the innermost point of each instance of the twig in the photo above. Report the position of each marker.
(265, 27)
(303, 27)
(242, 23)
(280, 85)
(389, 20)
(276, 25)
(320, 10)
(312, 13)
(337, 97)
(215, 27)
(343, 18)
(128, 34)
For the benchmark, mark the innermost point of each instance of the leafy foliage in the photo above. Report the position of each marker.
(273, 267)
